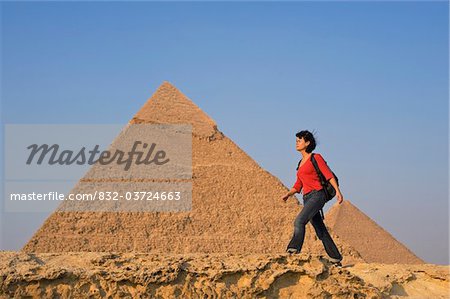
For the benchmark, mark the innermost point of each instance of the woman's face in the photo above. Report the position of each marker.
(300, 144)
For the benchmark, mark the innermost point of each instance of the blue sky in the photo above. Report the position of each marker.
(370, 78)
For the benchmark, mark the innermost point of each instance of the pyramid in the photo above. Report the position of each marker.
(373, 243)
(236, 205)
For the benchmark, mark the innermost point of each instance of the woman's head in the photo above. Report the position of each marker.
(305, 141)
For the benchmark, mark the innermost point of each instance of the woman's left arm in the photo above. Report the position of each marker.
(339, 196)
(328, 174)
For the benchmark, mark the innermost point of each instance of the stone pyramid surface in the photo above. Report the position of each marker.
(373, 243)
(235, 203)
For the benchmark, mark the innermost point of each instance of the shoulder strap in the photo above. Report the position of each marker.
(321, 178)
(298, 165)
(316, 167)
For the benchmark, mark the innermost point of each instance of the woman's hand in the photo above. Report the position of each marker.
(340, 197)
(285, 197)
(290, 193)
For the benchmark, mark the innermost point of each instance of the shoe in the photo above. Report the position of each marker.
(337, 265)
(291, 250)
(336, 262)
(333, 260)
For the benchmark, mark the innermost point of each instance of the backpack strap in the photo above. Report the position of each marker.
(321, 178)
(319, 173)
(298, 165)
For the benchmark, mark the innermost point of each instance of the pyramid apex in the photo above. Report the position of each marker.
(168, 84)
(169, 105)
(170, 89)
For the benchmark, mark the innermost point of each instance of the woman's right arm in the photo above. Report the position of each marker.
(295, 189)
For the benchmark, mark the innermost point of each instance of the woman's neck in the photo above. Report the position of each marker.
(305, 155)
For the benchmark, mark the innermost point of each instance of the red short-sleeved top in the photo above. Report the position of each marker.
(307, 177)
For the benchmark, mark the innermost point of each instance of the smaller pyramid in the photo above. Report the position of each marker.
(373, 243)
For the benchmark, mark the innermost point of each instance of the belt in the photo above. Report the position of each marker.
(309, 193)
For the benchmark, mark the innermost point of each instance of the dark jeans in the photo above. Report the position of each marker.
(313, 202)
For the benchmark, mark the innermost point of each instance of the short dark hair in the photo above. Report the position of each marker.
(307, 136)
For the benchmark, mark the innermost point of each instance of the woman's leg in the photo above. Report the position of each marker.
(310, 208)
(322, 234)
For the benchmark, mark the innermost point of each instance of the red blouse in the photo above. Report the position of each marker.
(307, 177)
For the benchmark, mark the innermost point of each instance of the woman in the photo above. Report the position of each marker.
(314, 197)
